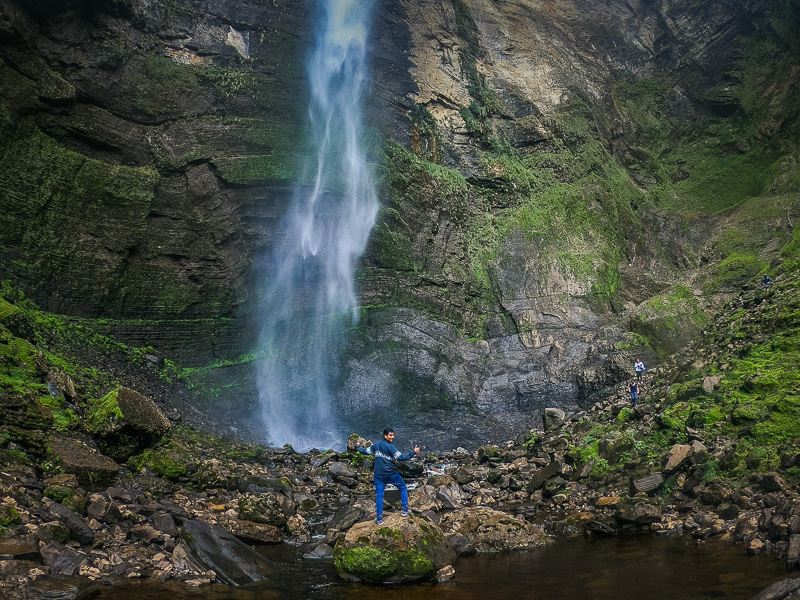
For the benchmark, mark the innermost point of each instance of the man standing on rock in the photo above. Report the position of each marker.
(386, 472)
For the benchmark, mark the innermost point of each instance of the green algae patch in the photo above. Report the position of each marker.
(66, 496)
(161, 462)
(375, 565)
(7, 310)
(9, 516)
(104, 414)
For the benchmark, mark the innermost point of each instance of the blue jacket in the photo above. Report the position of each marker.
(385, 454)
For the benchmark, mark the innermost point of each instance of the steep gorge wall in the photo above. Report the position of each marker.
(554, 178)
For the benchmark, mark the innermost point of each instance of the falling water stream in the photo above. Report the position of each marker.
(310, 296)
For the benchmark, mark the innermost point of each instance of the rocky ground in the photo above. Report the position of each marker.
(98, 484)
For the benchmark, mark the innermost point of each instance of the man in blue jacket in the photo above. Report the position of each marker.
(386, 472)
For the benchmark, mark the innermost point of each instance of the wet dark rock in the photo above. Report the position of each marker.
(788, 589)
(460, 544)
(78, 528)
(345, 518)
(90, 466)
(728, 511)
(715, 492)
(218, 550)
(255, 533)
(343, 473)
(121, 494)
(17, 549)
(543, 474)
(793, 550)
(321, 551)
(553, 418)
(60, 587)
(411, 468)
(265, 508)
(62, 559)
(638, 512)
(648, 484)
(165, 523)
(601, 527)
(770, 482)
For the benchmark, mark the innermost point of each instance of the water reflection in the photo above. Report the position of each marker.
(621, 568)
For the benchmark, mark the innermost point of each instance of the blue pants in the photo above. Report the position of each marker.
(380, 486)
(634, 397)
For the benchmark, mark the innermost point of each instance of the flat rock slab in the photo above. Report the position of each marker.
(218, 550)
(90, 466)
(19, 549)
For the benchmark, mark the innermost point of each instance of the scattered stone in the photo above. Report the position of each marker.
(321, 551)
(553, 418)
(647, 485)
(489, 530)
(641, 513)
(62, 559)
(678, 456)
(607, 501)
(551, 470)
(445, 574)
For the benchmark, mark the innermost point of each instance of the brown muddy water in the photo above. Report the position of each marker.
(640, 567)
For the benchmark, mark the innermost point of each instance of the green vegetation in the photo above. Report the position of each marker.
(104, 414)
(377, 565)
(166, 463)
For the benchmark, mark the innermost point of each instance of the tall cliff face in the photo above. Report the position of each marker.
(565, 183)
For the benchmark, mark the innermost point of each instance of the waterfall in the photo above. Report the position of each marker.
(309, 292)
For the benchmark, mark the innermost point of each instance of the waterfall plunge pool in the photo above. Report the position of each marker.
(629, 567)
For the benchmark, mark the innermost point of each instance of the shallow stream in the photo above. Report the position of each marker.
(620, 568)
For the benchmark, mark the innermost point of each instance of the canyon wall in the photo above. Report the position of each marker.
(565, 185)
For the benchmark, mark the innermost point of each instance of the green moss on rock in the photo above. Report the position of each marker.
(375, 565)
(104, 414)
(161, 462)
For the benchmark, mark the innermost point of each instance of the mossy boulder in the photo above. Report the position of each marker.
(125, 422)
(401, 550)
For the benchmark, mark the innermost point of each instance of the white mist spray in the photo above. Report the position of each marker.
(310, 293)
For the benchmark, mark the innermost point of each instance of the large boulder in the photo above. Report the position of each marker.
(125, 422)
(90, 466)
(401, 550)
(217, 549)
(490, 530)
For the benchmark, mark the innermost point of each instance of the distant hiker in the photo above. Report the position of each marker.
(639, 367)
(386, 472)
(633, 390)
(765, 281)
